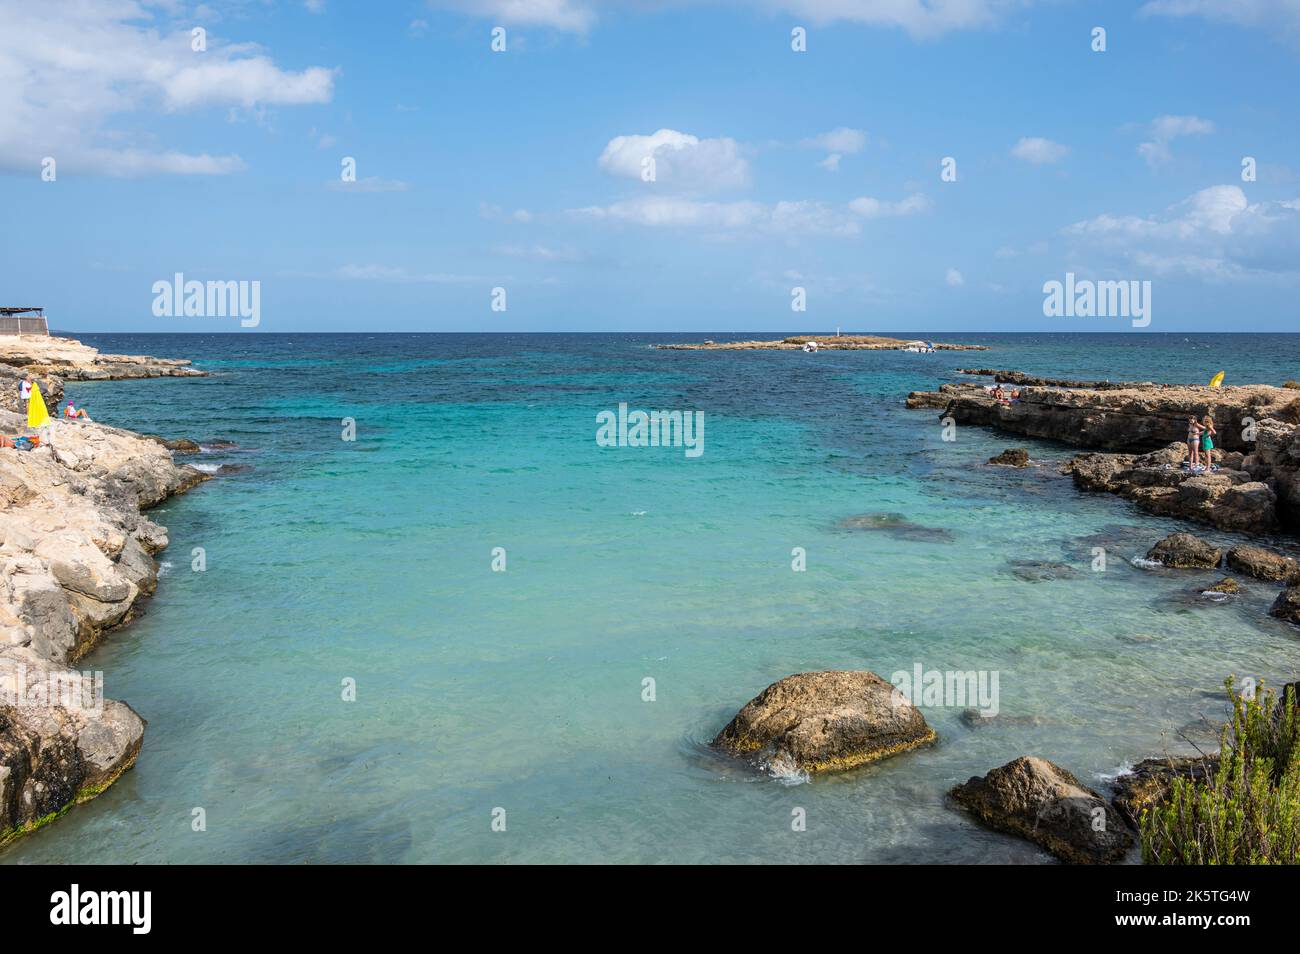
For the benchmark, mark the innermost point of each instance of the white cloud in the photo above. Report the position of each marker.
(1281, 16)
(575, 16)
(1039, 151)
(953, 277)
(786, 217)
(869, 208)
(837, 143)
(920, 18)
(842, 140)
(1214, 233)
(681, 161)
(68, 69)
(494, 213)
(1163, 129)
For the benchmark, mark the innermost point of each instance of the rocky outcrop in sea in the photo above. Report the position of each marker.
(1139, 431)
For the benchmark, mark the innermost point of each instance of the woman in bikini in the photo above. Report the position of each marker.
(1193, 444)
(1207, 441)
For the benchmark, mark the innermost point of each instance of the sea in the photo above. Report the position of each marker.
(423, 614)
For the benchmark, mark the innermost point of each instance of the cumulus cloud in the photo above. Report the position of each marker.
(1039, 151)
(869, 208)
(1164, 129)
(68, 69)
(682, 162)
(837, 144)
(953, 277)
(1213, 233)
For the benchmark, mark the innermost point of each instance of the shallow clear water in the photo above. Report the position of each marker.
(522, 690)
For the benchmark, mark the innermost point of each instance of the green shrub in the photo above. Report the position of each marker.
(1248, 813)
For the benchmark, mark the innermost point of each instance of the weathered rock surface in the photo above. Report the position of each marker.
(1185, 551)
(1226, 586)
(1256, 489)
(73, 361)
(1035, 799)
(11, 380)
(1287, 605)
(1228, 499)
(1260, 563)
(1133, 418)
(76, 558)
(1149, 782)
(825, 721)
(1011, 457)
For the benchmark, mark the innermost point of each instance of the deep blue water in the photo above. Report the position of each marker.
(371, 560)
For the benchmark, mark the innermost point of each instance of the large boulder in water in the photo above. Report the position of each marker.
(1287, 605)
(1261, 563)
(825, 721)
(1038, 800)
(1185, 551)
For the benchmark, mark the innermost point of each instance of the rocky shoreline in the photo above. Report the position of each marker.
(823, 342)
(76, 562)
(1138, 433)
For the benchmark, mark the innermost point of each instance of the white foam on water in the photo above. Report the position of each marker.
(1145, 564)
(207, 468)
(785, 771)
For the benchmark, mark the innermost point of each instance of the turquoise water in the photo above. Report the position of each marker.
(372, 560)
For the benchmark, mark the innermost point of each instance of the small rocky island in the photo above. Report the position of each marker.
(823, 343)
(76, 561)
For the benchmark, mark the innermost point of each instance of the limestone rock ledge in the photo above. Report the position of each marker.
(71, 360)
(76, 558)
(1255, 490)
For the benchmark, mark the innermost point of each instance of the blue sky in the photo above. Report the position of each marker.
(774, 169)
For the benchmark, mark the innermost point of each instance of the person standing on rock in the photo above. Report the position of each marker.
(1193, 443)
(1207, 441)
(25, 389)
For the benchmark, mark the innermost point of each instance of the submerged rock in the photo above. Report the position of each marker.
(825, 721)
(1185, 551)
(1035, 799)
(1035, 571)
(1150, 780)
(1011, 457)
(1287, 605)
(975, 719)
(177, 445)
(1261, 563)
(1225, 587)
(896, 525)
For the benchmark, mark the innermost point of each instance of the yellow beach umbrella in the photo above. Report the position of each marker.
(1216, 380)
(37, 414)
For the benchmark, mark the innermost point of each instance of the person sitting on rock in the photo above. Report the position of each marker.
(1193, 443)
(73, 413)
